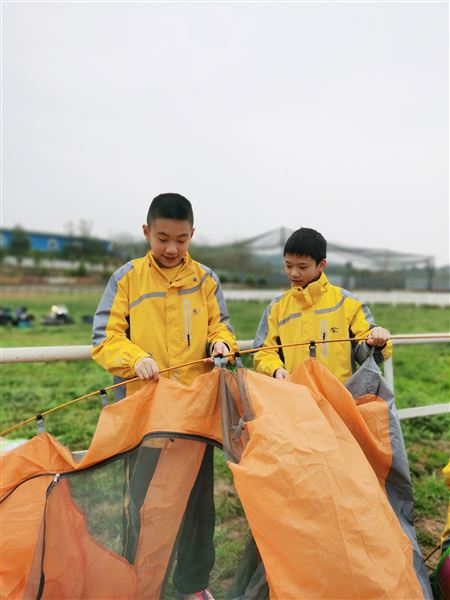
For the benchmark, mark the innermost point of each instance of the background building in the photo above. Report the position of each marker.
(51, 242)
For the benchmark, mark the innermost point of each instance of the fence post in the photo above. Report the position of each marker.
(389, 372)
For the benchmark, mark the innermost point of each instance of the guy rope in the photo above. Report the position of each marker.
(229, 355)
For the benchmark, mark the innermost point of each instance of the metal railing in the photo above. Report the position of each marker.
(69, 353)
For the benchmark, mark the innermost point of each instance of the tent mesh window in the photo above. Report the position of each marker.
(142, 522)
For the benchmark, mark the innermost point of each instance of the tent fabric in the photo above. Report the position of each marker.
(80, 540)
(123, 427)
(74, 563)
(398, 486)
(20, 524)
(312, 467)
(71, 546)
(338, 503)
(168, 407)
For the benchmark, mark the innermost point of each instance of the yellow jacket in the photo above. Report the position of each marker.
(320, 311)
(446, 533)
(141, 312)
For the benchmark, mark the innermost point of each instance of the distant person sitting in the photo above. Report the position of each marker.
(23, 317)
(314, 309)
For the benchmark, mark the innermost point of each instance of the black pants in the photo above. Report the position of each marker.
(195, 549)
(196, 554)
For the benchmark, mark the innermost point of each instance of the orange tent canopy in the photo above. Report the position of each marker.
(310, 466)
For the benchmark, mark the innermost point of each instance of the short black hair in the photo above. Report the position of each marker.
(306, 242)
(170, 206)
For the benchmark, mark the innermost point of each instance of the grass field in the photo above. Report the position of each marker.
(421, 377)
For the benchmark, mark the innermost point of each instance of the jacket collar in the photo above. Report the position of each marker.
(185, 272)
(311, 293)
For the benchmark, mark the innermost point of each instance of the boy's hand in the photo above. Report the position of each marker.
(281, 373)
(218, 348)
(147, 369)
(378, 336)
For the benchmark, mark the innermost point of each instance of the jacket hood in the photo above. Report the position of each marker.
(310, 294)
(186, 269)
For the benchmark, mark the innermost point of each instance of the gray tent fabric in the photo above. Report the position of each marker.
(369, 380)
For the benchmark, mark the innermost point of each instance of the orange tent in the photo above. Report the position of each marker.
(317, 474)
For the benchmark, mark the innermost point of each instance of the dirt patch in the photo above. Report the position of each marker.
(429, 532)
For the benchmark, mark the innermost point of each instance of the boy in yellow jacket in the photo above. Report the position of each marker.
(314, 309)
(161, 311)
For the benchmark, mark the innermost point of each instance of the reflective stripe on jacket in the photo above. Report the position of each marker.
(141, 312)
(321, 311)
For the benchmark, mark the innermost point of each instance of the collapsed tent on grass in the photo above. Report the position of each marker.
(320, 470)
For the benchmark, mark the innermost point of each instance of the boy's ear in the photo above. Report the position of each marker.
(192, 233)
(322, 264)
(146, 231)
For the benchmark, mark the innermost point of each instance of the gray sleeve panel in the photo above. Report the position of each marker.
(224, 315)
(368, 380)
(263, 327)
(366, 309)
(362, 351)
(103, 311)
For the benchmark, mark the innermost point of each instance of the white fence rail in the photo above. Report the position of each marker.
(62, 285)
(57, 353)
(418, 298)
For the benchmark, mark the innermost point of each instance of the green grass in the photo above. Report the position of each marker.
(422, 376)
(406, 318)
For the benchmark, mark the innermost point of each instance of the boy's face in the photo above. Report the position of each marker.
(169, 240)
(302, 270)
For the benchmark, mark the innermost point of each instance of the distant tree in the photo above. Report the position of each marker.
(81, 270)
(70, 229)
(84, 228)
(80, 244)
(71, 248)
(225, 258)
(20, 243)
(261, 282)
(37, 256)
(125, 247)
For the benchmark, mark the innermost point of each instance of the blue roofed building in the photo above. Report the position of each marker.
(51, 242)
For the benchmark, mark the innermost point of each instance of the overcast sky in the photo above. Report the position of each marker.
(325, 115)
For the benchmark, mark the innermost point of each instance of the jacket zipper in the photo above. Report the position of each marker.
(324, 336)
(187, 321)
